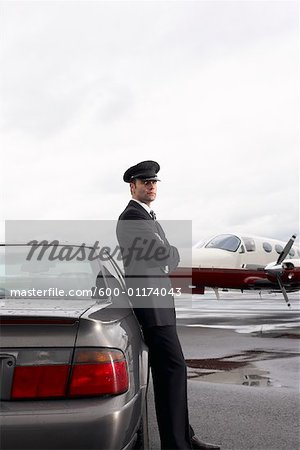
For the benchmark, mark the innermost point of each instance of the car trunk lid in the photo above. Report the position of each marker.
(37, 323)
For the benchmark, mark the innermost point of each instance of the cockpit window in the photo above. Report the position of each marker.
(227, 242)
(249, 244)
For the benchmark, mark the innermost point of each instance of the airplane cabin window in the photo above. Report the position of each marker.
(267, 247)
(278, 248)
(227, 242)
(249, 244)
(292, 253)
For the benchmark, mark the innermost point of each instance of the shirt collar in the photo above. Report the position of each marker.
(146, 207)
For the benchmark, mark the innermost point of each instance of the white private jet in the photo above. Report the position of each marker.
(233, 261)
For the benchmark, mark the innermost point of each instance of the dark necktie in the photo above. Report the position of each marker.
(153, 215)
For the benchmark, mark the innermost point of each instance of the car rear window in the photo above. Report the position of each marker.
(21, 274)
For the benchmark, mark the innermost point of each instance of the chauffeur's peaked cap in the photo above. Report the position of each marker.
(145, 170)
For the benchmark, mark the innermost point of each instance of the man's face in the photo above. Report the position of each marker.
(144, 190)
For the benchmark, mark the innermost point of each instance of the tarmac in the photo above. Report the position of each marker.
(243, 359)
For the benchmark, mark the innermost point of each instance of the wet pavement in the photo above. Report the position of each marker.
(236, 369)
(248, 312)
(243, 360)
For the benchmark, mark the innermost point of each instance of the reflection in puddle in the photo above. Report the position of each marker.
(235, 369)
(247, 376)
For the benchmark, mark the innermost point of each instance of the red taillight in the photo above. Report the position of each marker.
(98, 372)
(99, 379)
(40, 381)
(93, 372)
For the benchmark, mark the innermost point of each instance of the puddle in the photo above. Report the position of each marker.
(239, 368)
(281, 333)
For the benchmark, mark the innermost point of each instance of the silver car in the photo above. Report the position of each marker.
(73, 363)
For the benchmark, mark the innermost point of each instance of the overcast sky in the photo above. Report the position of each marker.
(209, 89)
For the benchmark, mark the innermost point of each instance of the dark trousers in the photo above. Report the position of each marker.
(169, 375)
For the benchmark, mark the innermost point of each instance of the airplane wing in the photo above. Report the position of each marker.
(285, 278)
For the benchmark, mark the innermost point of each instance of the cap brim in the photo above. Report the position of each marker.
(150, 179)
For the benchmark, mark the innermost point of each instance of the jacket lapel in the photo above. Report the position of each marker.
(156, 225)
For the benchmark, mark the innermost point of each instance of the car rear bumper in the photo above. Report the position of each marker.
(106, 423)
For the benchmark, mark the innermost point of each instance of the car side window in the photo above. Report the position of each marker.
(116, 289)
(111, 270)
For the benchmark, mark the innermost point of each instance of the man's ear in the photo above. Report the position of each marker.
(132, 185)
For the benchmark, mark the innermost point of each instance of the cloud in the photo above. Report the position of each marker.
(210, 90)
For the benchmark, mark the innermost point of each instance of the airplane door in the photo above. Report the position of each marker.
(240, 256)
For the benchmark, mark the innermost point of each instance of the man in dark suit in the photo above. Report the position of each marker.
(148, 258)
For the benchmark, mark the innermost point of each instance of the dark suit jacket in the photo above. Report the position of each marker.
(146, 253)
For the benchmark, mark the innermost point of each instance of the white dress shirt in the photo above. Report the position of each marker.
(146, 207)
